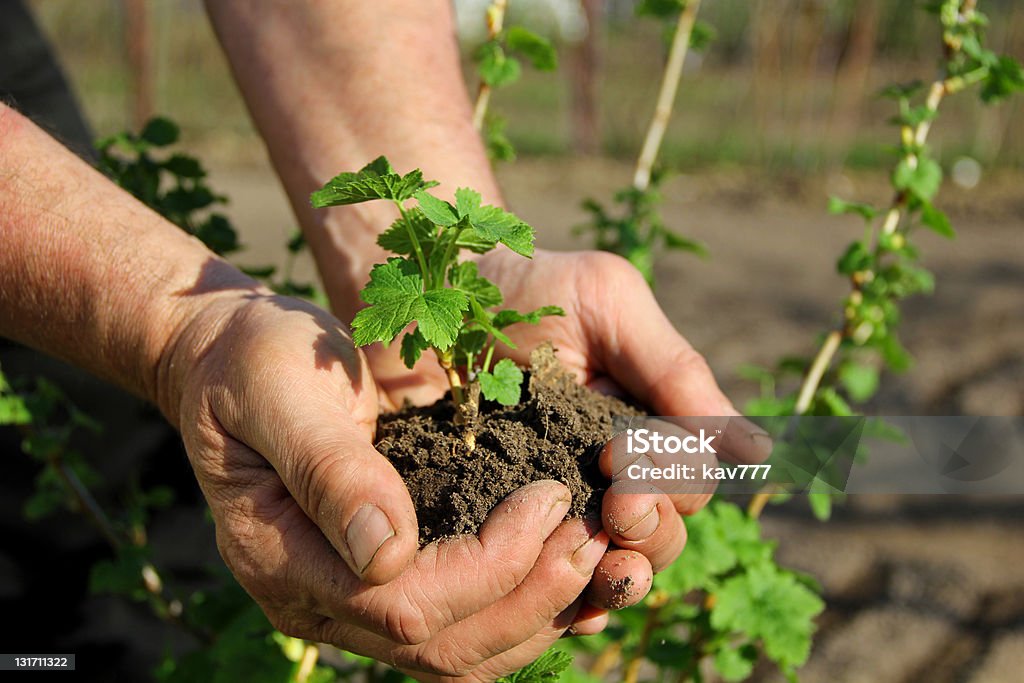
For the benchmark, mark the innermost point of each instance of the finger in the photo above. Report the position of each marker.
(689, 490)
(451, 580)
(670, 375)
(622, 578)
(645, 521)
(589, 621)
(560, 575)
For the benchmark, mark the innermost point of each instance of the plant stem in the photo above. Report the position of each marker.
(666, 96)
(415, 242)
(607, 660)
(495, 20)
(655, 603)
(918, 135)
(308, 662)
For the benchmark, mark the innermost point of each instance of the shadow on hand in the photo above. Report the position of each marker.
(332, 345)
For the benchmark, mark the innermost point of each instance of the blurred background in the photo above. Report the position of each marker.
(778, 114)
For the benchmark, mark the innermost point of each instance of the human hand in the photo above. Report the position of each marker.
(616, 339)
(277, 412)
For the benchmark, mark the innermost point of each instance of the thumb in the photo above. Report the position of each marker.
(348, 489)
(644, 353)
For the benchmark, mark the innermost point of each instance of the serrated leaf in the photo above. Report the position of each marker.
(735, 663)
(396, 238)
(860, 381)
(854, 259)
(466, 201)
(548, 667)
(396, 295)
(394, 289)
(494, 224)
(503, 384)
(536, 49)
(771, 605)
(376, 180)
(503, 319)
(466, 278)
(413, 346)
(661, 9)
(437, 210)
(937, 221)
(439, 314)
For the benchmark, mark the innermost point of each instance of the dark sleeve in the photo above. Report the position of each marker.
(31, 80)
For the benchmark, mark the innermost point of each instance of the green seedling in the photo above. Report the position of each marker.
(452, 305)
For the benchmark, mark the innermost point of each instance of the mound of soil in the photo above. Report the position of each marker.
(556, 432)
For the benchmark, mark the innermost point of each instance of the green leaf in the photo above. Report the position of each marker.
(259, 272)
(773, 606)
(833, 402)
(503, 319)
(1005, 77)
(440, 316)
(674, 240)
(437, 210)
(661, 9)
(396, 295)
(701, 36)
(376, 180)
(499, 147)
(901, 90)
(821, 505)
(504, 384)
(217, 233)
(860, 381)
(466, 202)
(839, 206)
(413, 346)
(548, 667)
(495, 67)
(184, 166)
(160, 132)
(538, 50)
(735, 663)
(937, 221)
(296, 243)
(494, 224)
(396, 238)
(922, 180)
(120, 576)
(13, 410)
(855, 258)
(465, 277)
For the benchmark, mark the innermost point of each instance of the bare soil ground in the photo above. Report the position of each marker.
(919, 588)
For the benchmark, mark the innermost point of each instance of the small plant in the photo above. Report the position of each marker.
(637, 231)
(498, 64)
(427, 283)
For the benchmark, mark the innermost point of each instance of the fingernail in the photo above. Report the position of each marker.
(586, 556)
(557, 513)
(366, 533)
(643, 528)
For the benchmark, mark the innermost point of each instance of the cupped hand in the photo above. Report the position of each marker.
(277, 411)
(616, 339)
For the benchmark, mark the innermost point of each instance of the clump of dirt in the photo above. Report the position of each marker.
(555, 432)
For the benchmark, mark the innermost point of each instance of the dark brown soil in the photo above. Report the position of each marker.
(556, 432)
